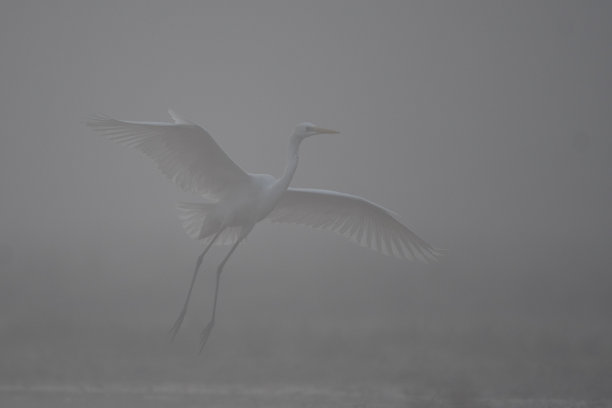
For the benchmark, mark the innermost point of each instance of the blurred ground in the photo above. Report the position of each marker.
(262, 396)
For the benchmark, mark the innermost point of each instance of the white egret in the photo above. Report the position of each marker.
(237, 200)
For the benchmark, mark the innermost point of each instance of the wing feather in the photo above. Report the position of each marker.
(183, 151)
(362, 221)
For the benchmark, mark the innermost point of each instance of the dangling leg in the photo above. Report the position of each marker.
(177, 325)
(208, 329)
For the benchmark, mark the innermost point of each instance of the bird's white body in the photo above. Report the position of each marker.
(237, 200)
(244, 206)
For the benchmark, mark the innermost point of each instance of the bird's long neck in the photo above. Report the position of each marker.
(283, 182)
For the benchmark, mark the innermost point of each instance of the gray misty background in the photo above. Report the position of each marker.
(485, 124)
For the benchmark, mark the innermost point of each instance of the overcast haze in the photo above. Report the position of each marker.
(485, 124)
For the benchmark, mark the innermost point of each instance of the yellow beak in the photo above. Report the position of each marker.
(324, 131)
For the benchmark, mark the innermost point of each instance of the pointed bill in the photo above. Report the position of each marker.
(321, 130)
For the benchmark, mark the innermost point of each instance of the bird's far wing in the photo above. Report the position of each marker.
(360, 220)
(183, 151)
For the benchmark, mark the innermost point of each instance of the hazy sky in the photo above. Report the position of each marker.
(485, 124)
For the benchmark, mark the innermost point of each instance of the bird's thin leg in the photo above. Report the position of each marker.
(208, 329)
(177, 325)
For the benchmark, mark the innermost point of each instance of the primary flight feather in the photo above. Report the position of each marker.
(236, 200)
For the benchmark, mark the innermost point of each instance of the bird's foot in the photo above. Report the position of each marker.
(177, 324)
(206, 334)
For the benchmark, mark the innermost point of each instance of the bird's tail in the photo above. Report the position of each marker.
(194, 217)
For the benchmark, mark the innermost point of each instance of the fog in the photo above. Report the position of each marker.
(486, 125)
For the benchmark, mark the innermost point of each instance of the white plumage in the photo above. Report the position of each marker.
(363, 222)
(183, 151)
(237, 200)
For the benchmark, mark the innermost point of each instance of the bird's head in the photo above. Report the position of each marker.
(306, 129)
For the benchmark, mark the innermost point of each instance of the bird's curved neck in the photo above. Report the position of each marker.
(284, 181)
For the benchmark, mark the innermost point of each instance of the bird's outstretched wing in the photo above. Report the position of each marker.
(360, 220)
(183, 151)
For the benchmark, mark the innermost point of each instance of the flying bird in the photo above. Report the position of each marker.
(236, 200)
